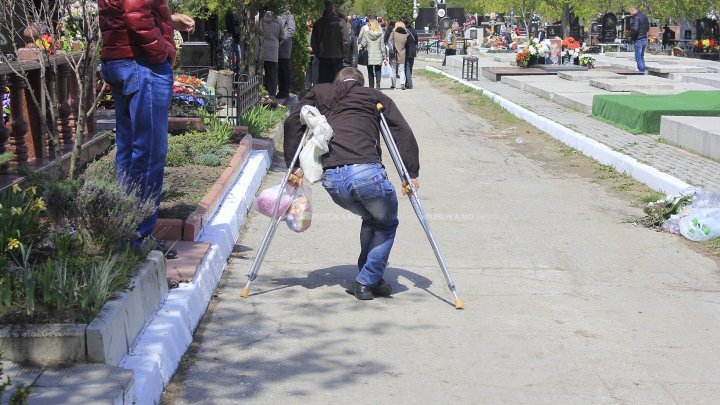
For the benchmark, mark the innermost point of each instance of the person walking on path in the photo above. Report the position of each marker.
(137, 58)
(284, 72)
(350, 59)
(330, 43)
(372, 40)
(353, 172)
(398, 38)
(410, 52)
(273, 35)
(356, 24)
(451, 41)
(639, 30)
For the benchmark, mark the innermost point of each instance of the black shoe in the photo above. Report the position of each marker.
(160, 245)
(361, 292)
(377, 86)
(168, 253)
(282, 96)
(382, 290)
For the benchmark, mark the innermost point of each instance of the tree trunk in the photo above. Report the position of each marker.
(566, 20)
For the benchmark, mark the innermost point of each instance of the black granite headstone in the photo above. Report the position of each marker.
(703, 28)
(533, 29)
(609, 30)
(554, 31)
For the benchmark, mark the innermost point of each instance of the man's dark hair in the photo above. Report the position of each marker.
(350, 73)
(405, 20)
(341, 14)
(329, 5)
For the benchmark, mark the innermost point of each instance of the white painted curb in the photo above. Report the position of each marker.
(159, 348)
(654, 178)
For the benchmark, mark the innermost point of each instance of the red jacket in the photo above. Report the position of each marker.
(133, 28)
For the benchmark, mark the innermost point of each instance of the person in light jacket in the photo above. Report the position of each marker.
(273, 35)
(284, 72)
(399, 37)
(373, 41)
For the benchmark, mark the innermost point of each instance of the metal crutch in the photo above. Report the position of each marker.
(415, 201)
(274, 222)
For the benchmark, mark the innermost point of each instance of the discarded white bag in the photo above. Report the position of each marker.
(701, 225)
(320, 134)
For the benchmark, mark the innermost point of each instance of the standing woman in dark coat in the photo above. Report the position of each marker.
(410, 52)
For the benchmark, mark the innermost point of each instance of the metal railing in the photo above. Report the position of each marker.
(227, 104)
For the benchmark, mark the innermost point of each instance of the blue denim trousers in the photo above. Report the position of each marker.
(640, 46)
(365, 190)
(142, 94)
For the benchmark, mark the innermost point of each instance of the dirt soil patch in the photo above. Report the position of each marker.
(558, 158)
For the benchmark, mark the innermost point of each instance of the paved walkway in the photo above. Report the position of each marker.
(564, 302)
(684, 165)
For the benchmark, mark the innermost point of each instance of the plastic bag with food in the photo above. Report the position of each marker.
(299, 215)
(265, 203)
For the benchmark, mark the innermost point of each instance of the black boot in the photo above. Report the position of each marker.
(361, 292)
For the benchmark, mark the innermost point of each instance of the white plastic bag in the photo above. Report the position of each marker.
(299, 215)
(265, 203)
(386, 71)
(320, 134)
(701, 225)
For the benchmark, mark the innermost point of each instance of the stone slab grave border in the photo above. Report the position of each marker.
(107, 338)
(167, 336)
(652, 177)
(188, 229)
(700, 135)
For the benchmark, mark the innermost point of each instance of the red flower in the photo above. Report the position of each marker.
(712, 42)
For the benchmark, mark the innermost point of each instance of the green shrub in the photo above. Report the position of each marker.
(208, 159)
(225, 150)
(194, 143)
(59, 195)
(259, 118)
(177, 155)
(221, 131)
(110, 212)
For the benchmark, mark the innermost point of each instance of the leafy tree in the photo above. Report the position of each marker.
(399, 8)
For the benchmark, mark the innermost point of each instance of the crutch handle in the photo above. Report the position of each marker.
(380, 107)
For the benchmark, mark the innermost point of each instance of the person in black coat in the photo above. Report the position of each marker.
(330, 42)
(410, 52)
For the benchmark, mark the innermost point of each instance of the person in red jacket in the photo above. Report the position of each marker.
(137, 57)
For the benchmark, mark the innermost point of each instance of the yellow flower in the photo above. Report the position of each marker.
(14, 210)
(40, 204)
(16, 188)
(13, 244)
(31, 190)
(706, 43)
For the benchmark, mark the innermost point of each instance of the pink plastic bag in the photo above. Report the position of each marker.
(265, 203)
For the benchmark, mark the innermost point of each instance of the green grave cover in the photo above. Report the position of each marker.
(640, 113)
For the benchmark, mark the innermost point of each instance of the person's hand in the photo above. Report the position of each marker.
(296, 178)
(406, 190)
(182, 22)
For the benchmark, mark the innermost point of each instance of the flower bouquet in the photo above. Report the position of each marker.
(190, 94)
(570, 50)
(587, 61)
(706, 45)
(533, 52)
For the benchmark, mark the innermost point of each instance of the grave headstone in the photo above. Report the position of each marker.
(686, 31)
(703, 28)
(533, 29)
(668, 36)
(608, 30)
(555, 31)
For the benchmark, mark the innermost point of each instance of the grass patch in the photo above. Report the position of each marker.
(652, 197)
(568, 151)
(714, 246)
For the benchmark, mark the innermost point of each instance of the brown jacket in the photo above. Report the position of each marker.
(351, 112)
(133, 28)
(400, 37)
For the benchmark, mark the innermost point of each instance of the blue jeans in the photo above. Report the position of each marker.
(640, 46)
(142, 94)
(365, 190)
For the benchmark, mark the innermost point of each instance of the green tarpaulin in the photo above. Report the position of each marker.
(640, 113)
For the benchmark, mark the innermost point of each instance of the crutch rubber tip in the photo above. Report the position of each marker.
(458, 303)
(245, 291)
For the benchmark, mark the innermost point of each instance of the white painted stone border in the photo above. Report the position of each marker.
(654, 178)
(167, 336)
